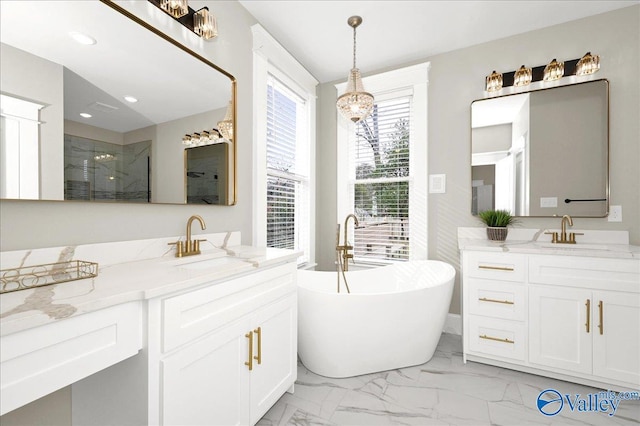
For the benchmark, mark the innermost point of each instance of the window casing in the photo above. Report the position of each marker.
(284, 145)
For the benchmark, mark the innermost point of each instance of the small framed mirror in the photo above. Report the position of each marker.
(542, 153)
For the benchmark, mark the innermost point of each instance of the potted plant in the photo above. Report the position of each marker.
(497, 222)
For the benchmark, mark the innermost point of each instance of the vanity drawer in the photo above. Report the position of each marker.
(496, 337)
(38, 361)
(194, 314)
(496, 299)
(496, 266)
(588, 272)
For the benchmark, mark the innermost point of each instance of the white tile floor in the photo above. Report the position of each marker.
(444, 391)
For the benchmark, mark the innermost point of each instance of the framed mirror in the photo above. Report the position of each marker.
(542, 153)
(105, 120)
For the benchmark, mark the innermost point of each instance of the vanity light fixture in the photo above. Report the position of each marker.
(205, 24)
(175, 8)
(553, 71)
(225, 126)
(355, 104)
(588, 64)
(202, 22)
(522, 76)
(493, 82)
(205, 137)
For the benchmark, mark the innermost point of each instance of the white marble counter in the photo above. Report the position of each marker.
(607, 244)
(128, 271)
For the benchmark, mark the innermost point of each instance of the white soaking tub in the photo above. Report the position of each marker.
(392, 318)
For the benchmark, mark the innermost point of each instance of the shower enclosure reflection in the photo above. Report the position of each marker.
(205, 168)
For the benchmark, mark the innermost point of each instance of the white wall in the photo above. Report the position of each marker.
(457, 78)
(34, 224)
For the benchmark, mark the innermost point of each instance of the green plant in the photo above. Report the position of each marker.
(497, 218)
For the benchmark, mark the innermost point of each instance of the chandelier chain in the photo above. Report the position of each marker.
(354, 47)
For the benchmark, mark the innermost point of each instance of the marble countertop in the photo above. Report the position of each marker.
(605, 244)
(136, 280)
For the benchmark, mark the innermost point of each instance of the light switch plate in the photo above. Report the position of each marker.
(548, 202)
(615, 213)
(437, 184)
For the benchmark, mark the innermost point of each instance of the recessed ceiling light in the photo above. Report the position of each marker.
(85, 115)
(82, 38)
(130, 99)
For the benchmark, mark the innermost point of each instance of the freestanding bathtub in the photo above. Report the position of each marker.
(392, 318)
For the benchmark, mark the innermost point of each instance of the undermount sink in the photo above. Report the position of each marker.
(207, 262)
(576, 246)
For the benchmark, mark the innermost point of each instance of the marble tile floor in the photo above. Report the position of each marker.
(443, 391)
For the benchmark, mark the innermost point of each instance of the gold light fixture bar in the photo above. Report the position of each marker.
(586, 65)
(201, 22)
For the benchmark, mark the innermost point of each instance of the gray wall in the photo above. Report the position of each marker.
(492, 138)
(457, 78)
(35, 224)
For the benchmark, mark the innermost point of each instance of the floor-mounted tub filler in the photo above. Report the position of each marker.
(392, 318)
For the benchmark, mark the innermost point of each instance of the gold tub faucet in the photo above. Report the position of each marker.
(344, 249)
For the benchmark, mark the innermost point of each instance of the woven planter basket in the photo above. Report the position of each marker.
(497, 233)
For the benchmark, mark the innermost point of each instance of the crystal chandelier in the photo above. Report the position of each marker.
(355, 104)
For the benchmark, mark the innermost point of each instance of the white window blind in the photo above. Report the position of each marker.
(380, 180)
(287, 169)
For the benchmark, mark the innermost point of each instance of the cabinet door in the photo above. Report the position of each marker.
(616, 344)
(207, 383)
(277, 369)
(558, 334)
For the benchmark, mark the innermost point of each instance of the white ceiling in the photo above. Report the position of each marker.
(398, 32)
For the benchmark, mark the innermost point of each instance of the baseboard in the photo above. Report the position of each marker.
(453, 324)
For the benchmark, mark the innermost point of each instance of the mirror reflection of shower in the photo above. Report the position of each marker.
(205, 170)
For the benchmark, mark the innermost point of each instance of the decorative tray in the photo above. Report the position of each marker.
(26, 277)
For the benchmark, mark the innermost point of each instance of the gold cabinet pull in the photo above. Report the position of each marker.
(486, 299)
(600, 311)
(258, 358)
(495, 268)
(497, 339)
(249, 363)
(588, 323)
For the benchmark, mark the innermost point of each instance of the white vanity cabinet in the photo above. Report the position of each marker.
(195, 368)
(226, 352)
(585, 316)
(209, 381)
(572, 317)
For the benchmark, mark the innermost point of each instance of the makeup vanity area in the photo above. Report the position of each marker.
(155, 339)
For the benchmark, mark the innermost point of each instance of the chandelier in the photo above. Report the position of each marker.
(355, 104)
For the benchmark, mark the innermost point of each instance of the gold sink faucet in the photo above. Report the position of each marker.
(189, 247)
(566, 220)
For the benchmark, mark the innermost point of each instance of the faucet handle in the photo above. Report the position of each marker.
(572, 236)
(179, 247)
(196, 244)
(554, 236)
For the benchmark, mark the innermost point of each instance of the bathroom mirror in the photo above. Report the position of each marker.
(542, 153)
(125, 151)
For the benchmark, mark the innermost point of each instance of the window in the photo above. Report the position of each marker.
(284, 142)
(380, 156)
(385, 169)
(287, 168)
